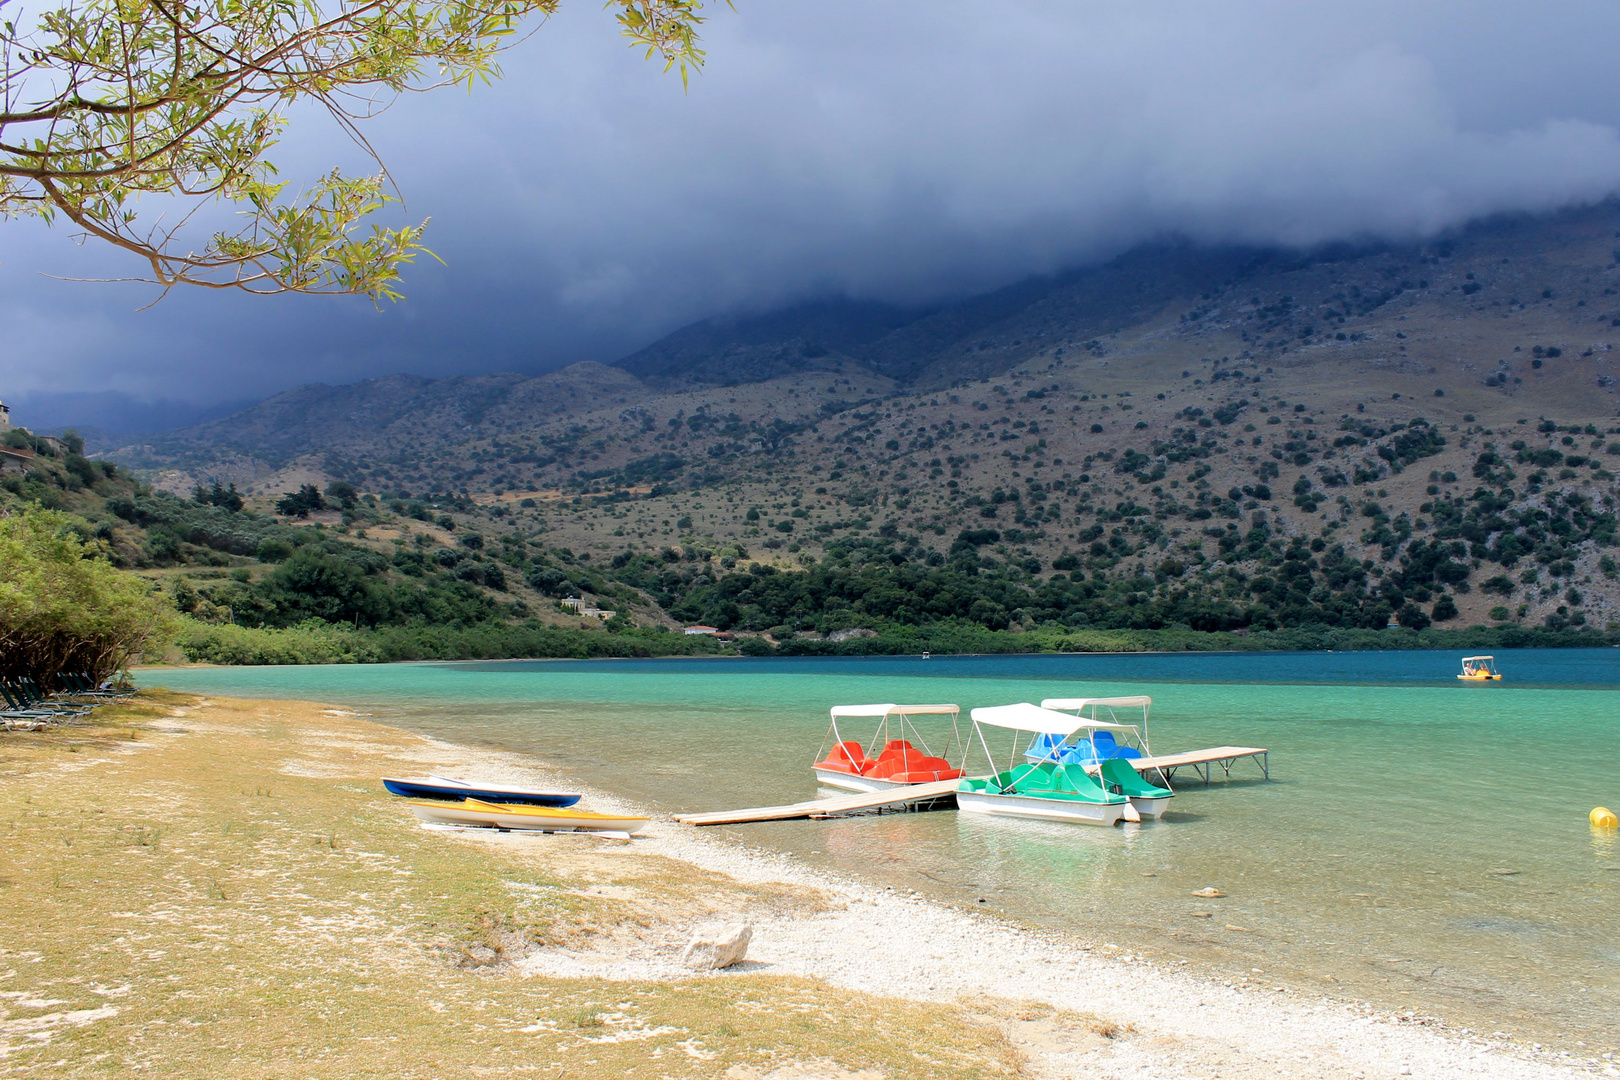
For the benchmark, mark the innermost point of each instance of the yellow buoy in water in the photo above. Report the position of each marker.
(1603, 818)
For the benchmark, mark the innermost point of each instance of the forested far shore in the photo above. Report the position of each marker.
(324, 643)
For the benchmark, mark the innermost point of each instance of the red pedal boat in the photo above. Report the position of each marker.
(897, 754)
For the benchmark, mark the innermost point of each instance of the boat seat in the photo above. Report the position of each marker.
(1107, 748)
(1051, 748)
(1043, 746)
(1041, 777)
(899, 752)
(926, 770)
(993, 785)
(1047, 781)
(847, 757)
(1087, 786)
(901, 767)
(1117, 773)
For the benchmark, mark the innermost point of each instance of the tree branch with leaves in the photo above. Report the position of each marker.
(129, 117)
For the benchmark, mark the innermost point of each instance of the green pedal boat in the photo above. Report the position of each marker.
(1049, 790)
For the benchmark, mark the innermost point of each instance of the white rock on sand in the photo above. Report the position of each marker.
(717, 945)
(1172, 1023)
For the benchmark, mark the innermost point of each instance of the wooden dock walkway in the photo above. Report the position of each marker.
(1200, 760)
(823, 808)
(1197, 760)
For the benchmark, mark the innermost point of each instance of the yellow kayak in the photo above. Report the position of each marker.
(505, 816)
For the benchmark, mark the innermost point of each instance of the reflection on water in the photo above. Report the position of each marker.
(1423, 844)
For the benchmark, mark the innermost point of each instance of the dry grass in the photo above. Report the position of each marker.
(187, 887)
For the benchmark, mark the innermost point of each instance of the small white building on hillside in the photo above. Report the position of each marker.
(588, 609)
(5, 416)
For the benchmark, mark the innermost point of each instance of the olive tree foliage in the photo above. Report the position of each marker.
(64, 607)
(128, 117)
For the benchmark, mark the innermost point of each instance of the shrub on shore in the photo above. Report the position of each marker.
(311, 642)
(64, 607)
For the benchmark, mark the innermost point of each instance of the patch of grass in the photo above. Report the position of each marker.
(1109, 1029)
(204, 928)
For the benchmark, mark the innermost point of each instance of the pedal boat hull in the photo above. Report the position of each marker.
(1153, 807)
(1068, 811)
(855, 782)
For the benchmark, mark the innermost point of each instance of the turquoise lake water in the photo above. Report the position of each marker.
(1422, 844)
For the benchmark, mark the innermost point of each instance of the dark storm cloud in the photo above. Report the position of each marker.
(905, 151)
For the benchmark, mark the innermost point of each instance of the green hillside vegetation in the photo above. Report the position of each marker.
(917, 596)
(256, 588)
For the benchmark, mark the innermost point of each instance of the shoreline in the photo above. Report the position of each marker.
(985, 955)
(554, 918)
(306, 644)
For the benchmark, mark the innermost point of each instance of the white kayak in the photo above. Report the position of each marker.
(545, 818)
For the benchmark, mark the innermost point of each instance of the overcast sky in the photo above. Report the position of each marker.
(904, 150)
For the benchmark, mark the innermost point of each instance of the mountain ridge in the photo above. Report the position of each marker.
(925, 348)
(1119, 423)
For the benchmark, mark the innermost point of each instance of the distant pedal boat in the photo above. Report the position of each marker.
(1479, 669)
(444, 787)
(524, 818)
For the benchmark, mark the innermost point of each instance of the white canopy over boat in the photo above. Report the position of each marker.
(1027, 717)
(1079, 704)
(895, 710)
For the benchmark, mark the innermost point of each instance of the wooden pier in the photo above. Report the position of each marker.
(1200, 761)
(830, 807)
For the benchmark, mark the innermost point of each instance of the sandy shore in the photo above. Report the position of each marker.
(323, 933)
(1168, 1023)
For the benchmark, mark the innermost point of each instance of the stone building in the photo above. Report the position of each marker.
(15, 461)
(5, 416)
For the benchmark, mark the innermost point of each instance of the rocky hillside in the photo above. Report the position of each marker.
(379, 416)
(1199, 437)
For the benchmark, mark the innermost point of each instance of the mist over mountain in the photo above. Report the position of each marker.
(903, 155)
(1165, 298)
(107, 415)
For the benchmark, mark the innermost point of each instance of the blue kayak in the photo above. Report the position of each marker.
(444, 787)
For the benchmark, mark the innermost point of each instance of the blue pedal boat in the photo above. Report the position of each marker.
(445, 787)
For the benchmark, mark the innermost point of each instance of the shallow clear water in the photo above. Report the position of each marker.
(1422, 843)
